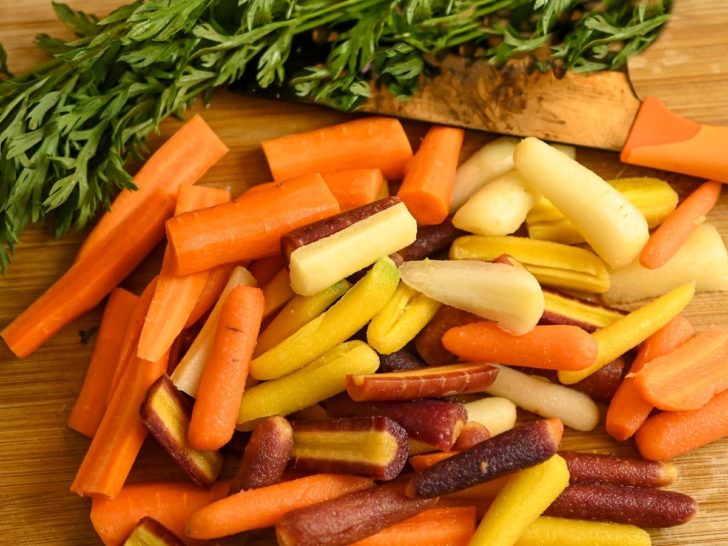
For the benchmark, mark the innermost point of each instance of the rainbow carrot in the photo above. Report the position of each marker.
(266, 268)
(355, 188)
(216, 279)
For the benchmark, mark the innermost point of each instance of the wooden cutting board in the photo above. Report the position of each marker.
(39, 456)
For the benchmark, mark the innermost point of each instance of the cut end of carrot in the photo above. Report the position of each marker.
(428, 209)
(556, 429)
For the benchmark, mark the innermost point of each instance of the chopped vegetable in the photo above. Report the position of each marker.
(264, 269)
(611, 470)
(277, 292)
(548, 531)
(355, 188)
(149, 532)
(217, 278)
(494, 413)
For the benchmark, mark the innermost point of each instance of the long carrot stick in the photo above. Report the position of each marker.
(266, 268)
(686, 378)
(249, 228)
(355, 188)
(175, 297)
(223, 379)
(627, 409)
(669, 434)
(170, 503)
(550, 347)
(265, 506)
(181, 160)
(667, 239)
(362, 144)
(90, 278)
(216, 279)
(430, 177)
(91, 402)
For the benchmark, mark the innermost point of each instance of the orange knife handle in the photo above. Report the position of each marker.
(661, 139)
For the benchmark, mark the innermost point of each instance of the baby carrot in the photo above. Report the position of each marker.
(628, 409)
(216, 280)
(430, 175)
(355, 188)
(223, 378)
(667, 239)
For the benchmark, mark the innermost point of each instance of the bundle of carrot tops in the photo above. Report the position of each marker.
(365, 344)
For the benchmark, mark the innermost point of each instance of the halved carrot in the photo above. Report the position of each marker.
(627, 409)
(374, 142)
(430, 175)
(170, 503)
(90, 278)
(175, 297)
(223, 379)
(277, 292)
(451, 526)
(182, 159)
(265, 506)
(667, 239)
(249, 228)
(216, 279)
(549, 347)
(266, 268)
(355, 188)
(91, 402)
(686, 378)
(672, 433)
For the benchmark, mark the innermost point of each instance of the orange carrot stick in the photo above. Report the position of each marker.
(170, 503)
(430, 176)
(223, 379)
(667, 239)
(549, 347)
(91, 402)
(265, 506)
(686, 378)
(669, 434)
(90, 278)
(627, 409)
(362, 144)
(434, 527)
(266, 268)
(175, 297)
(250, 228)
(216, 280)
(355, 188)
(181, 160)
(120, 435)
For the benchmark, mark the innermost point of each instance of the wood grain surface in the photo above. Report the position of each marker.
(39, 455)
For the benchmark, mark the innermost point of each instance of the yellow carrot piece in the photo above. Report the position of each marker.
(297, 313)
(548, 531)
(335, 326)
(277, 292)
(401, 319)
(632, 329)
(322, 379)
(520, 502)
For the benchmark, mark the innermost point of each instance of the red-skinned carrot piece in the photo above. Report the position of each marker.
(266, 268)
(91, 402)
(121, 433)
(667, 239)
(374, 142)
(183, 159)
(223, 379)
(355, 188)
(628, 409)
(170, 503)
(686, 378)
(91, 278)
(430, 175)
(216, 280)
(249, 228)
(550, 347)
(175, 297)
(666, 435)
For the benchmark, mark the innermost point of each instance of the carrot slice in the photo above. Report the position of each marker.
(175, 297)
(667, 239)
(216, 280)
(223, 378)
(627, 409)
(550, 347)
(265, 506)
(182, 159)
(430, 177)
(666, 435)
(249, 228)
(90, 278)
(374, 142)
(266, 268)
(170, 503)
(686, 378)
(355, 188)
(91, 402)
